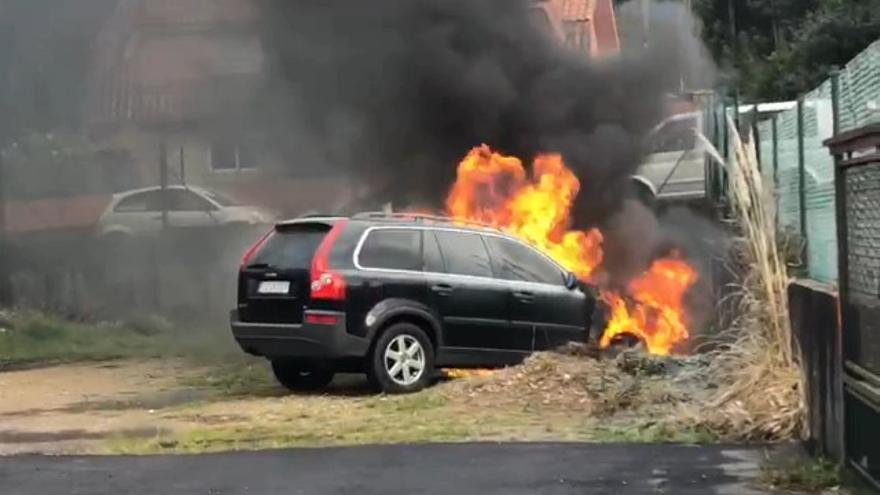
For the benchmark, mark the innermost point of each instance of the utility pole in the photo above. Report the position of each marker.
(6, 40)
(5, 289)
(731, 19)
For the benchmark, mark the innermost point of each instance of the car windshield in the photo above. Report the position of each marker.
(221, 199)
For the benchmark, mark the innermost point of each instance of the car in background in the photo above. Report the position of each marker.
(396, 296)
(139, 212)
(675, 168)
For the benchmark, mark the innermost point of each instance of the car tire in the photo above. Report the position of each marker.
(299, 379)
(401, 360)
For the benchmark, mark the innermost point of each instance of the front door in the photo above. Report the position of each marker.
(473, 305)
(541, 306)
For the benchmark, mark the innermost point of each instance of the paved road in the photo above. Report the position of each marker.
(485, 469)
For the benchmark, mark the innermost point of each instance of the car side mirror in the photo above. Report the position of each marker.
(571, 281)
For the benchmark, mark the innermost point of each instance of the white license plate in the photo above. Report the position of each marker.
(273, 287)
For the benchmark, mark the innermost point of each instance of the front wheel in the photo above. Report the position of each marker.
(402, 360)
(298, 379)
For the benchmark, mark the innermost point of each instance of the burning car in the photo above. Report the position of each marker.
(140, 212)
(398, 295)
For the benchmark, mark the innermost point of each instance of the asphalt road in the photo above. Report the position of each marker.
(484, 469)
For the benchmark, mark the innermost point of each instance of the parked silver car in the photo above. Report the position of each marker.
(675, 169)
(139, 212)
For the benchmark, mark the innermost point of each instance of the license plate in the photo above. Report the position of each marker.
(273, 287)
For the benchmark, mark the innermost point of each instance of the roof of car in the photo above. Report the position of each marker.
(131, 192)
(395, 219)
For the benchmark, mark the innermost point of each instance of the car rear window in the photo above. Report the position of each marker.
(292, 247)
(395, 249)
(464, 253)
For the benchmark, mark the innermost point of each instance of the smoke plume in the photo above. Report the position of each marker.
(395, 92)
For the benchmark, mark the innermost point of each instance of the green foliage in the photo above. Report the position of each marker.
(33, 338)
(778, 49)
(802, 475)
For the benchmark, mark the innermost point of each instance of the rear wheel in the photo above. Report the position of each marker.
(298, 378)
(402, 360)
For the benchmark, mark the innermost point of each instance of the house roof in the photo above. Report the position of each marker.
(578, 10)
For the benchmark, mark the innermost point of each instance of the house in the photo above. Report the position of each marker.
(174, 73)
(588, 26)
(167, 74)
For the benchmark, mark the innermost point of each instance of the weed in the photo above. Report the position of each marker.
(804, 475)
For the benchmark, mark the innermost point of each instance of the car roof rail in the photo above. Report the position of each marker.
(420, 217)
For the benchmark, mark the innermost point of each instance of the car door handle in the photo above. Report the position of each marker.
(524, 296)
(442, 289)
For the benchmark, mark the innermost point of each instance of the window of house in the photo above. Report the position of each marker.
(229, 156)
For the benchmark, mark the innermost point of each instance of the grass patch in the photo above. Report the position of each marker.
(242, 377)
(651, 432)
(801, 475)
(34, 338)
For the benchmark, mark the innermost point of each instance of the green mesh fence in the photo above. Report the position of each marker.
(819, 209)
(860, 90)
(787, 189)
(858, 105)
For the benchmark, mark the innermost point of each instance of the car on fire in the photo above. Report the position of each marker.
(396, 296)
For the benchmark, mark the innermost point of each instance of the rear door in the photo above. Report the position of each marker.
(274, 286)
(471, 303)
(389, 263)
(541, 306)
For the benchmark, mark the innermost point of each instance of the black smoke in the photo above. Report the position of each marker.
(395, 92)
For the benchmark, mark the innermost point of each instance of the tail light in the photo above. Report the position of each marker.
(249, 254)
(326, 284)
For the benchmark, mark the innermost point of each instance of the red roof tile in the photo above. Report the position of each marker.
(578, 10)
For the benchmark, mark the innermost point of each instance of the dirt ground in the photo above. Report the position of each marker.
(138, 406)
(74, 408)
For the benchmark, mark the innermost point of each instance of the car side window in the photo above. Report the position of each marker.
(432, 257)
(140, 202)
(464, 253)
(394, 249)
(184, 200)
(675, 135)
(516, 261)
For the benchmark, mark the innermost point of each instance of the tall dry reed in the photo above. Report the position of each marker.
(757, 362)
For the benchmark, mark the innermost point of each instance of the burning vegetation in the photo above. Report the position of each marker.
(536, 206)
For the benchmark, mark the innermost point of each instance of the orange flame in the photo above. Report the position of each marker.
(656, 314)
(493, 189)
(496, 190)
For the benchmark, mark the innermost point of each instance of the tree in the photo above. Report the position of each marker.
(778, 49)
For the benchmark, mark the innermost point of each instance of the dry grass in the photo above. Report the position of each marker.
(757, 362)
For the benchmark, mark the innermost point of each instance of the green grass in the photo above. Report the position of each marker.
(34, 338)
(801, 475)
(650, 432)
(239, 377)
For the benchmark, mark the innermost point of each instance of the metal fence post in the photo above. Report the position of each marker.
(835, 100)
(775, 135)
(802, 179)
(756, 137)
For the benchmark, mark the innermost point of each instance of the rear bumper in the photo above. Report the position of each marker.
(298, 341)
